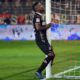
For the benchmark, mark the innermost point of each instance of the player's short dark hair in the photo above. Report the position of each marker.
(33, 7)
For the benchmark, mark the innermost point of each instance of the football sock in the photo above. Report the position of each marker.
(45, 63)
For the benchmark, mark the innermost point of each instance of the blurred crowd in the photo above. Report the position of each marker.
(20, 11)
(6, 18)
(67, 10)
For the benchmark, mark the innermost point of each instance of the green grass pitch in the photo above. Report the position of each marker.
(19, 60)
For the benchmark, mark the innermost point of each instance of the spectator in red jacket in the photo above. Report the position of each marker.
(21, 19)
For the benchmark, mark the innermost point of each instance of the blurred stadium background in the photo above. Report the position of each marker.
(19, 55)
(66, 11)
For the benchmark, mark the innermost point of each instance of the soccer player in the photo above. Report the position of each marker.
(41, 37)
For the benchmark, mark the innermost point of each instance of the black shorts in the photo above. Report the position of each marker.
(45, 47)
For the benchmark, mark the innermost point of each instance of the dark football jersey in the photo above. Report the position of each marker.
(40, 35)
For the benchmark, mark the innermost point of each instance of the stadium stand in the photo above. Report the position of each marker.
(66, 11)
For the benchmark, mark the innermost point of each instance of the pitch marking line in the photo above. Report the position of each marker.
(58, 75)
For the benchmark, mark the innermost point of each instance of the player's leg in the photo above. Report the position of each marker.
(46, 61)
(47, 49)
(52, 51)
(50, 57)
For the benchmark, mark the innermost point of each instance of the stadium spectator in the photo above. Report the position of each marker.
(55, 18)
(6, 17)
(21, 19)
(1, 19)
(78, 19)
(7, 20)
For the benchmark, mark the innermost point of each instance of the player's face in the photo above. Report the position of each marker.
(40, 8)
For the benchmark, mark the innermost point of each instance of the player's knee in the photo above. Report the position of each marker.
(51, 56)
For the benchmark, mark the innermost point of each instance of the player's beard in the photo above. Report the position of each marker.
(42, 11)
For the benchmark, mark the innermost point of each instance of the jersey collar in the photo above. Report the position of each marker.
(39, 13)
